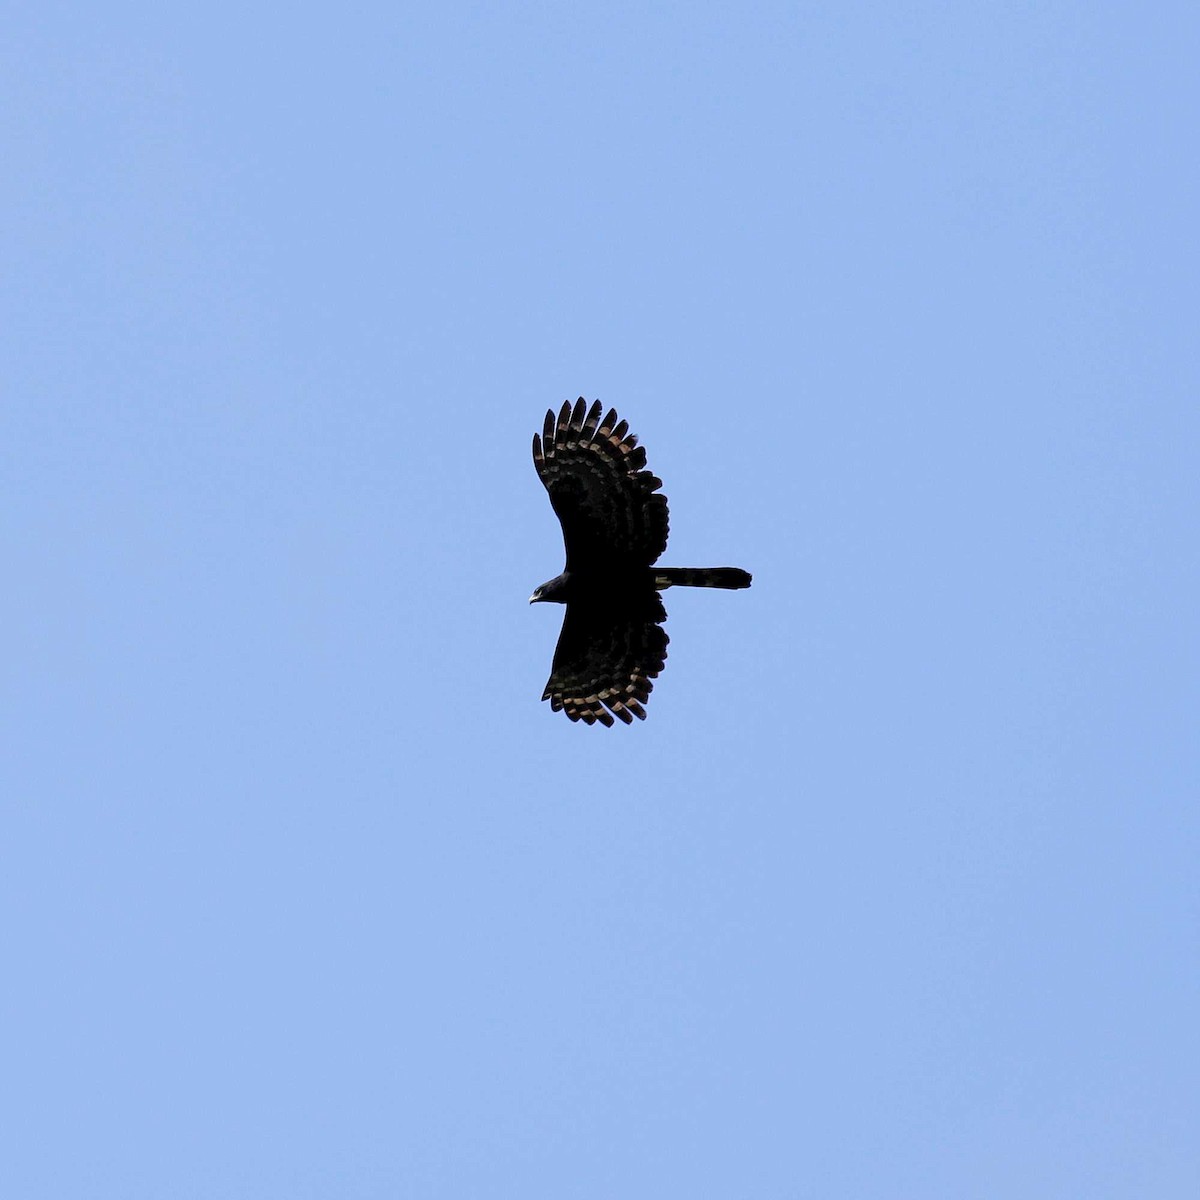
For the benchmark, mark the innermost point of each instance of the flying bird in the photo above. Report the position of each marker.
(614, 524)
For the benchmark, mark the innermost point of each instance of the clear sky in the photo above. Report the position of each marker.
(304, 894)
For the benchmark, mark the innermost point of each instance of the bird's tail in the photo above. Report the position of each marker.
(718, 577)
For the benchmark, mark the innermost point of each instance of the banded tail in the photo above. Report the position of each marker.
(715, 577)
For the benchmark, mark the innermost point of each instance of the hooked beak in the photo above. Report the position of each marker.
(533, 598)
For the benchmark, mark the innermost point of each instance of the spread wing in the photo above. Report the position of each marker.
(609, 507)
(606, 656)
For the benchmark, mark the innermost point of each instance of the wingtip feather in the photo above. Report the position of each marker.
(593, 419)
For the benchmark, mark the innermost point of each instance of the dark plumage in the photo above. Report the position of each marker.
(614, 523)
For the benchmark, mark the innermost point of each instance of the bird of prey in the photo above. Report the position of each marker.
(614, 524)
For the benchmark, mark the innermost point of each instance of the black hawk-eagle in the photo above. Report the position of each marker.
(614, 524)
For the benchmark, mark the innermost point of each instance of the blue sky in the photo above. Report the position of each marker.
(302, 891)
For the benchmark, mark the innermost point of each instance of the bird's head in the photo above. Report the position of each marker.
(553, 590)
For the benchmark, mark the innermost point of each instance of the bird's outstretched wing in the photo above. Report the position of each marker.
(609, 506)
(606, 656)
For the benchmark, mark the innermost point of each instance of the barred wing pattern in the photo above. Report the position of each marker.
(609, 507)
(615, 522)
(606, 656)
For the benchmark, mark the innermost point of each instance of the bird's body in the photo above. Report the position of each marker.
(614, 521)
